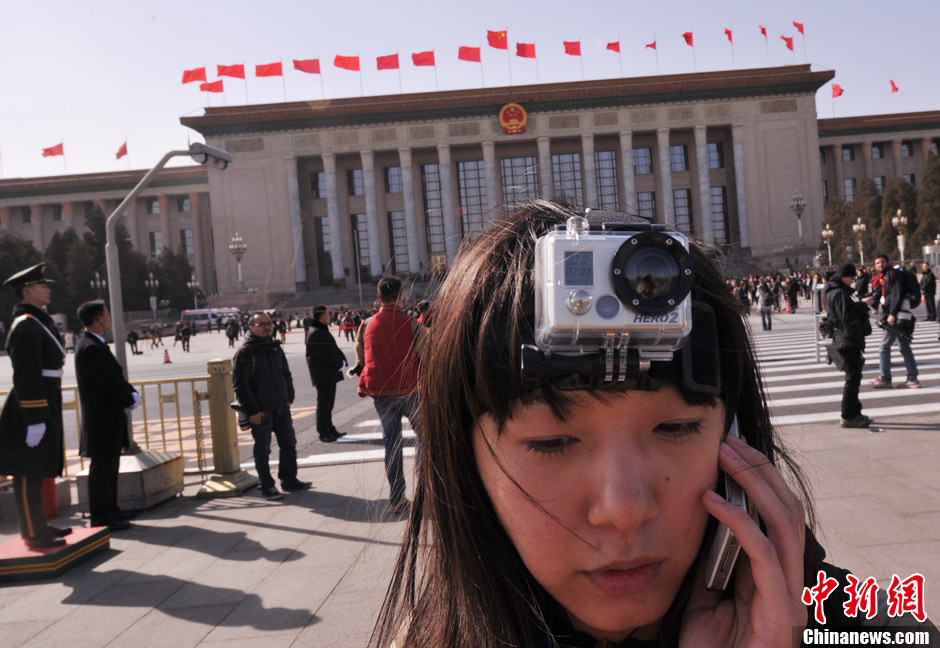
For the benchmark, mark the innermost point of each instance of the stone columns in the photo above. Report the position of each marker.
(704, 184)
(194, 203)
(68, 216)
(866, 159)
(5, 219)
(372, 216)
(408, 198)
(925, 143)
(333, 220)
(168, 242)
(628, 202)
(451, 238)
(35, 214)
(896, 155)
(744, 226)
(837, 163)
(665, 176)
(299, 258)
(492, 177)
(547, 189)
(589, 171)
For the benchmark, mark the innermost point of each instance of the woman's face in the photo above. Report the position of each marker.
(617, 517)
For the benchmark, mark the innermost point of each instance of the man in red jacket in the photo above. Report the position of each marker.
(385, 349)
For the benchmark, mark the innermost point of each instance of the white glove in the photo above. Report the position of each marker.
(136, 401)
(34, 434)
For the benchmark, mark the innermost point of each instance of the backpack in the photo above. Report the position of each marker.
(911, 287)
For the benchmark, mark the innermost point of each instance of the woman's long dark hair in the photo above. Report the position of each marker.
(459, 581)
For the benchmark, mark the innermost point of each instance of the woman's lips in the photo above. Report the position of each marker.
(620, 580)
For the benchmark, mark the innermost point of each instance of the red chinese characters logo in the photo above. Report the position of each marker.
(819, 593)
(513, 118)
(904, 596)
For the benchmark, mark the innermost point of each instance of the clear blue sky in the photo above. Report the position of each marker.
(86, 73)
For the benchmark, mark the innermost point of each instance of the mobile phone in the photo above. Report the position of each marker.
(723, 553)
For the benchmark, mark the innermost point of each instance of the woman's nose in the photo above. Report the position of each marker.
(622, 491)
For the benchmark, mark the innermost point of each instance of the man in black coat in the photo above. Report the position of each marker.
(31, 443)
(325, 362)
(850, 324)
(928, 286)
(104, 394)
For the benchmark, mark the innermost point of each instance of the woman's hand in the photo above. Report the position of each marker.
(768, 578)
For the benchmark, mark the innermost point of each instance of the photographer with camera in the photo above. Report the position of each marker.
(897, 322)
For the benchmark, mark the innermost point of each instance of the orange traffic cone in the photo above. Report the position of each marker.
(166, 356)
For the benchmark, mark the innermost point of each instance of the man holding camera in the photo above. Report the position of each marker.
(849, 322)
(898, 324)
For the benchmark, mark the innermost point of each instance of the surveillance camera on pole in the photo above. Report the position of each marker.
(203, 153)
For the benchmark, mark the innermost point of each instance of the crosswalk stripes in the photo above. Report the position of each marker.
(801, 390)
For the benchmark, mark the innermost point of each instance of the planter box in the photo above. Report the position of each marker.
(146, 479)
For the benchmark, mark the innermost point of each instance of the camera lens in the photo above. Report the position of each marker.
(651, 272)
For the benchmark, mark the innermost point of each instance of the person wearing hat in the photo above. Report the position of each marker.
(850, 324)
(31, 444)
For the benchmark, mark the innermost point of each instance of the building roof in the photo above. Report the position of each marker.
(873, 124)
(97, 183)
(480, 102)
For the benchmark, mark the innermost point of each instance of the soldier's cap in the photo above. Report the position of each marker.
(29, 277)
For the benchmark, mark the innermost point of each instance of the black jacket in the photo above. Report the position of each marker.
(324, 358)
(104, 394)
(894, 292)
(849, 318)
(928, 284)
(260, 375)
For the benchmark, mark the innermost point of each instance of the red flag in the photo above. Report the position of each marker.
(58, 149)
(799, 28)
(728, 34)
(215, 86)
(269, 69)
(651, 45)
(122, 151)
(199, 74)
(350, 63)
(310, 66)
(894, 88)
(389, 62)
(573, 48)
(497, 39)
(471, 54)
(237, 71)
(788, 40)
(688, 39)
(525, 50)
(614, 47)
(423, 58)
(763, 30)
(836, 90)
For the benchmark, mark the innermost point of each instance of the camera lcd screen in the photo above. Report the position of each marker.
(579, 268)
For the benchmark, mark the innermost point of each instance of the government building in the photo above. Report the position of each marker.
(338, 192)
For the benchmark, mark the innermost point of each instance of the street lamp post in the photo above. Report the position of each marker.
(859, 228)
(238, 248)
(98, 284)
(827, 235)
(193, 285)
(900, 224)
(152, 284)
(798, 205)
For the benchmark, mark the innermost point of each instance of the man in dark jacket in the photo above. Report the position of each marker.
(325, 362)
(104, 395)
(928, 286)
(850, 325)
(265, 390)
(896, 313)
(31, 443)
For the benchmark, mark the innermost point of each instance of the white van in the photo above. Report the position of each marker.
(208, 317)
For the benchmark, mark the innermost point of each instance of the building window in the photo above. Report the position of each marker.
(360, 231)
(57, 213)
(186, 242)
(910, 178)
(27, 215)
(825, 192)
(520, 178)
(683, 207)
(156, 243)
(646, 204)
(605, 165)
(355, 185)
(848, 185)
(933, 146)
(393, 183)
(716, 155)
(566, 174)
(848, 153)
(433, 208)
(642, 161)
(679, 157)
(471, 181)
(877, 151)
(398, 237)
(321, 228)
(719, 200)
(153, 206)
(879, 184)
(318, 185)
(183, 205)
(822, 156)
(907, 150)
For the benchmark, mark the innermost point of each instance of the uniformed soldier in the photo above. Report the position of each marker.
(31, 443)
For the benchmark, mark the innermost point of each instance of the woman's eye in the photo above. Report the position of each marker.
(550, 446)
(679, 430)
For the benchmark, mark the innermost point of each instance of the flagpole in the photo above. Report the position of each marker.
(65, 168)
(620, 55)
(361, 91)
(399, 74)
(245, 79)
(767, 47)
(126, 153)
(892, 101)
(283, 81)
(656, 53)
(581, 56)
(436, 87)
(694, 63)
(733, 67)
(804, 46)
(322, 91)
(508, 58)
(482, 80)
(537, 70)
